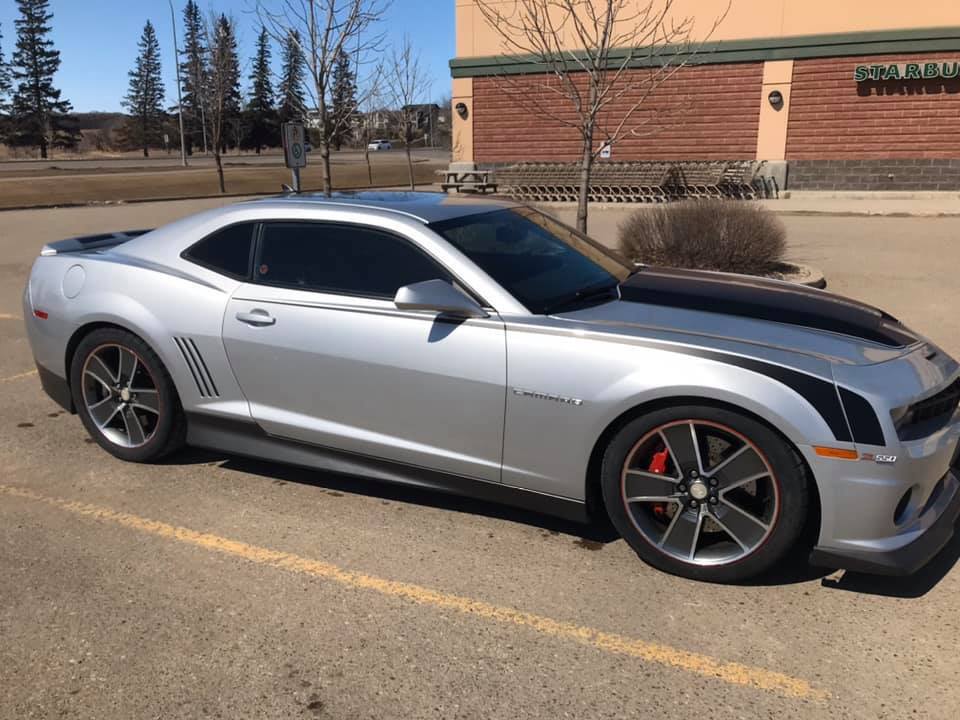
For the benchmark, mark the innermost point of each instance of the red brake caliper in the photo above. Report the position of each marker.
(658, 465)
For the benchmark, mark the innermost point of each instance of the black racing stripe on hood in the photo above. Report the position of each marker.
(763, 299)
(821, 394)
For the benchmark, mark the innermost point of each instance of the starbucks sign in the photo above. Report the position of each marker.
(934, 70)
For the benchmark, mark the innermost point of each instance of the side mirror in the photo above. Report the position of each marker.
(438, 296)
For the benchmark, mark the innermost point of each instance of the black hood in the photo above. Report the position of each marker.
(763, 299)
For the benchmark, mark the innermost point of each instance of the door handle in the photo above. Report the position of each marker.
(256, 317)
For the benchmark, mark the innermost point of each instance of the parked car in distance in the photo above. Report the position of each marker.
(481, 347)
(379, 145)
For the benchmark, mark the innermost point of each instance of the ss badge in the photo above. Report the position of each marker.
(882, 459)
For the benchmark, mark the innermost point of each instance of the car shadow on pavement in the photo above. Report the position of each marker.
(911, 586)
(793, 569)
(593, 535)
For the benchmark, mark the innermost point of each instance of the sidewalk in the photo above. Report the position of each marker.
(892, 204)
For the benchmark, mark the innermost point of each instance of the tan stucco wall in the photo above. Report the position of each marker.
(462, 92)
(749, 19)
(772, 135)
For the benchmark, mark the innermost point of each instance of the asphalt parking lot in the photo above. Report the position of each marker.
(212, 586)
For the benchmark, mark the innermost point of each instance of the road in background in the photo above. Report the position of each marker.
(216, 586)
(19, 167)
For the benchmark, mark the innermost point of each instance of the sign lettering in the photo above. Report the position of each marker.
(936, 70)
(294, 150)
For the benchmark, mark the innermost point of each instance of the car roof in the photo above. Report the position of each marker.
(427, 207)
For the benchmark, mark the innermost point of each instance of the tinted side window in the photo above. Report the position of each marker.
(345, 259)
(226, 251)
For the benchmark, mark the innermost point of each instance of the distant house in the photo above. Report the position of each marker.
(312, 120)
(375, 121)
(430, 120)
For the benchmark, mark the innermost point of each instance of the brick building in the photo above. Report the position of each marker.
(869, 95)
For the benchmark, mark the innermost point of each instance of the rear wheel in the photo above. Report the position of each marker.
(125, 397)
(704, 492)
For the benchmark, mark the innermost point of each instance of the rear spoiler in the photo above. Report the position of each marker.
(90, 242)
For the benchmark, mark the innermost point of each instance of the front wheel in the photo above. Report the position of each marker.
(125, 396)
(704, 492)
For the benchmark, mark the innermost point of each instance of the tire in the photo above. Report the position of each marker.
(722, 509)
(117, 380)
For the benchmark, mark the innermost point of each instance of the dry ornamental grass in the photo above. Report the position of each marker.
(724, 235)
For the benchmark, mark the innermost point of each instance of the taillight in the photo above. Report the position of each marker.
(42, 314)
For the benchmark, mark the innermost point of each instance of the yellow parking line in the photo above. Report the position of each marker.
(703, 665)
(8, 316)
(17, 377)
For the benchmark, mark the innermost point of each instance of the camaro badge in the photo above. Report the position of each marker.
(547, 396)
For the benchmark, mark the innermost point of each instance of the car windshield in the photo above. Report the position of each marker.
(544, 264)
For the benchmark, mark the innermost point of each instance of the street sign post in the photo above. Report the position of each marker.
(294, 150)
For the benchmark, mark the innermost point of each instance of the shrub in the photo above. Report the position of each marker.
(723, 235)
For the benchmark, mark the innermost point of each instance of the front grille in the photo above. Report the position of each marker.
(943, 403)
(929, 415)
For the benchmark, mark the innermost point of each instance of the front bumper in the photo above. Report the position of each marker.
(56, 387)
(908, 558)
(888, 517)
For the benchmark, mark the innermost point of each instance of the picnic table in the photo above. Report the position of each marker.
(471, 180)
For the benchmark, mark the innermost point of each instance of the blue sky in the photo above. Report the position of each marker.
(98, 41)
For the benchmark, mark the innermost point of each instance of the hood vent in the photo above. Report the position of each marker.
(198, 367)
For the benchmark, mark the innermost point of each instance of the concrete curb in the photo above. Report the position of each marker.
(781, 207)
(786, 211)
(135, 201)
(814, 277)
(139, 201)
(865, 213)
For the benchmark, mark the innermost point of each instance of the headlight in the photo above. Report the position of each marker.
(902, 416)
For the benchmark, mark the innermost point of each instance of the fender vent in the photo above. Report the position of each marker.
(198, 368)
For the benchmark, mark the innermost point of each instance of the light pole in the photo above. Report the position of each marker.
(176, 64)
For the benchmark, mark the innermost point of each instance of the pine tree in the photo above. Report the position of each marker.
(144, 99)
(4, 83)
(262, 129)
(232, 101)
(4, 93)
(193, 71)
(38, 115)
(293, 106)
(343, 100)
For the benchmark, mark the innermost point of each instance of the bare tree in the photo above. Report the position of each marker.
(325, 29)
(368, 108)
(603, 60)
(219, 85)
(407, 85)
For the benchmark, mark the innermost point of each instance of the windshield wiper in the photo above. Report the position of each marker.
(591, 292)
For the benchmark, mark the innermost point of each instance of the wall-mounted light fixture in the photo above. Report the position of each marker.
(776, 99)
(461, 109)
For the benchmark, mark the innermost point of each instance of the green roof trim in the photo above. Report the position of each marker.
(796, 47)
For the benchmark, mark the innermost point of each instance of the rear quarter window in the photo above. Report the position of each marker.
(226, 251)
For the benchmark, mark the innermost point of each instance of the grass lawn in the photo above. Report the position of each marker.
(36, 187)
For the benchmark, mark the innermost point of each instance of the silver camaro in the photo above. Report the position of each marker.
(482, 348)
